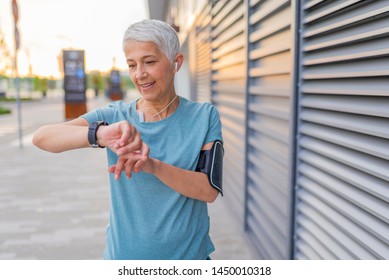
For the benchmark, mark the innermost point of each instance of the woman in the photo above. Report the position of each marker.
(159, 209)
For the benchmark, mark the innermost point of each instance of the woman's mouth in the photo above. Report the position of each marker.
(147, 85)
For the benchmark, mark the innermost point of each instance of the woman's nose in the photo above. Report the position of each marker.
(140, 73)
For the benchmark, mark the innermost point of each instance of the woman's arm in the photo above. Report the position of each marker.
(62, 137)
(73, 134)
(189, 183)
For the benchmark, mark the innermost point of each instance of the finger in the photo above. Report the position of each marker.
(138, 166)
(133, 146)
(128, 133)
(145, 150)
(111, 169)
(119, 167)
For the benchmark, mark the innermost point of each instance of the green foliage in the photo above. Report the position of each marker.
(95, 80)
(4, 110)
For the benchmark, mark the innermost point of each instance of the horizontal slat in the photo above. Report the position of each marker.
(227, 8)
(229, 34)
(365, 183)
(349, 57)
(269, 168)
(276, 129)
(371, 106)
(234, 44)
(312, 3)
(369, 164)
(361, 124)
(328, 10)
(269, 110)
(270, 90)
(229, 20)
(362, 86)
(374, 146)
(359, 18)
(230, 60)
(266, 32)
(235, 89)
(334, 239)
(265, 231)
(317, 239)
(345, 40)
(233, 73)
(364, 68)
(267, 10)
(316, 198)
(275, 150)
(340, 214)
(263, 52)
(266, 197)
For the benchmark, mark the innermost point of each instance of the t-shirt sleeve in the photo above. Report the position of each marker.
(215, 127)
(101, 114)
(92, 116)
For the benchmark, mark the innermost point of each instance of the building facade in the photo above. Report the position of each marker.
(302, 88)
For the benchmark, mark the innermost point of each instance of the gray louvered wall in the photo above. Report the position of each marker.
(342, 198)
(269, 119)
(203, 54)
(229, 94)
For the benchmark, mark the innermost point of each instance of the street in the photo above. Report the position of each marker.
(56, 206)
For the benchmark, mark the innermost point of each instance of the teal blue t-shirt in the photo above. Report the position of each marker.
(148, 219)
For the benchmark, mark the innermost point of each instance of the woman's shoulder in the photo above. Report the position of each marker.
(197, 106)
(119, 105)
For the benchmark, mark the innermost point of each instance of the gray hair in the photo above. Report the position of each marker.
(157, 32)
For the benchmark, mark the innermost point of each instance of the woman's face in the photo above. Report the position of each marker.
(150, 70)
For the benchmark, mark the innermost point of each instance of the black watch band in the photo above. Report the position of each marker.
(92, 137)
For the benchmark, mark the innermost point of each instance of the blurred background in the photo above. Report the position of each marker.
(302, 88)
(59, 59)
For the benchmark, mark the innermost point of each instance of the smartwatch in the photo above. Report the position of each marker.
(92, 137)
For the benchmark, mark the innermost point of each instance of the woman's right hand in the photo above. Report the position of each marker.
(120, 137)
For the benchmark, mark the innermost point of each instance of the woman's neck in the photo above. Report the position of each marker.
(156, 112)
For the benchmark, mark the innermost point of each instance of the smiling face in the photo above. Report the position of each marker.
(150, 71)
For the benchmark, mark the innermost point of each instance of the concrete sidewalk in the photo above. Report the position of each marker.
(56, 206)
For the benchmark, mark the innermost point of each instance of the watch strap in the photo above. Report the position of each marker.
(92, 133)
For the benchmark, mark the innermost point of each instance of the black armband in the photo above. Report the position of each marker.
(211, 163)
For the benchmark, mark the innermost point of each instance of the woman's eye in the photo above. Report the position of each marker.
(150, 62)
(131, 66)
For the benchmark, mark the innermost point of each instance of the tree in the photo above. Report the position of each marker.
(6, 57)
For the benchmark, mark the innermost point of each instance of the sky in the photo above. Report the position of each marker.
(48, 26)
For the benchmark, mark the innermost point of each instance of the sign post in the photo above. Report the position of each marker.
(115, 90)
(74, 83)
(15, 13)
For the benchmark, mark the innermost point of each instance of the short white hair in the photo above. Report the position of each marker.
(157, 32)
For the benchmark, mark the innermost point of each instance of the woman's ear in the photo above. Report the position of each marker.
(178, 62)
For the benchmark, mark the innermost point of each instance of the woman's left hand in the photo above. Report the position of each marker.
(133, 162)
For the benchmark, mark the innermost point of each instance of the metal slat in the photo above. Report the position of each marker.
(362, 124)
(353, 87)
(343, 133)
(269, 127)
(335, 209)
(227, 82)
(358, 18)
(318, 213)
(374, 146)
(371, 165)
(370, 106)
(362, 182)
